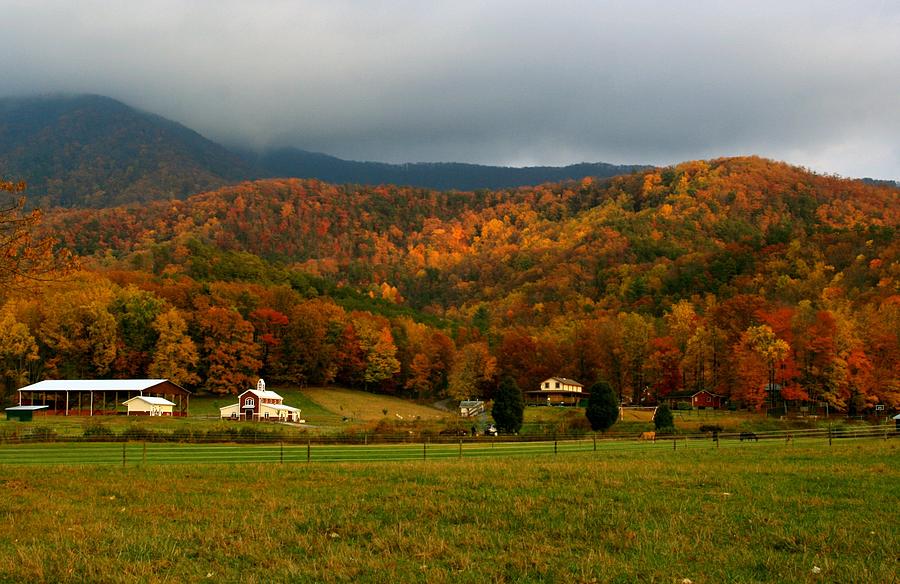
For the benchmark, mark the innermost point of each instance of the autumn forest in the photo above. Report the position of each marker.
(756, 280)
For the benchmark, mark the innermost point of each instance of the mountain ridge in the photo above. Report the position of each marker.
(95, 151)
(299, 163)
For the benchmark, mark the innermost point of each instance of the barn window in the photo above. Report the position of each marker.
(267, 414)
(557, 385)
(249, 402)
(547, 385)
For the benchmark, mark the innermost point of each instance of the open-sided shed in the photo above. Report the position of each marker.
(91, 397)
(23, 413)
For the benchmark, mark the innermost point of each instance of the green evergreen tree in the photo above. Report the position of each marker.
(663, 420)
(603, 408)
(509, 406)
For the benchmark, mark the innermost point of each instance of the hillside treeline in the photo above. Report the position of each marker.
(730, 275)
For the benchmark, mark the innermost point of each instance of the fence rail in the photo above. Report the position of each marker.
(132, 452)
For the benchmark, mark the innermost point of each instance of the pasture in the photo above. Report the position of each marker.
(647, 513)
(369, 407)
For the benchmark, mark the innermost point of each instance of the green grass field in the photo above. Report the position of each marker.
(761, 512)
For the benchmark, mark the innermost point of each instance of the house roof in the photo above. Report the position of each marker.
(468, 403)
(156, 401)
(565, 380)
(265, 394)
(95, 385)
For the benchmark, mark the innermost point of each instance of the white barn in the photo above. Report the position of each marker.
(145, 405)
(260, 404)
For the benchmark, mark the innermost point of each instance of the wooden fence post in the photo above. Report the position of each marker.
(123, 453)
(308, 449)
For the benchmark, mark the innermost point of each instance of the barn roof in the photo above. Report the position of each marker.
(264, 393)
(156, 401)
(282, 407)
(26, 408)
(95, 385)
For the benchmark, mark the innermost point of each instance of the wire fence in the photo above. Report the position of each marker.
(131, 452)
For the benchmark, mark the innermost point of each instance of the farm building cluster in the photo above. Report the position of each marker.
(139, 397)
(260, 404)
(97, 397)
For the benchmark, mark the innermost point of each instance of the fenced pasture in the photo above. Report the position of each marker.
(275, 448)
(757, 512)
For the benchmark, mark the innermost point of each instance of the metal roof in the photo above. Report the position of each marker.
(93, 385)
(281, 407)
(565, 380)
(25, 408)
(264, 393)
(156, 401)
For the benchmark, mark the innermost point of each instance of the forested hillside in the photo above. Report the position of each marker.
(433, 175)
(730, 275)
(94, 151)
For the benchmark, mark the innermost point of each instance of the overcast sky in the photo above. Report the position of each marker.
(491, 81)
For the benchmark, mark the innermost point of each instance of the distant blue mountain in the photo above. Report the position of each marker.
(94, 151)
(434, 175)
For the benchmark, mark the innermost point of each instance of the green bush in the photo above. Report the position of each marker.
(573, 423)
(714, 428)
(42, 434)
(137, 433)
(96, 430)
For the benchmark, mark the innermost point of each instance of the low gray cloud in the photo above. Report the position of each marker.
(508, 82)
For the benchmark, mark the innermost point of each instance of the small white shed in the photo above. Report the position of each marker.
(469, 408)
(144, 405)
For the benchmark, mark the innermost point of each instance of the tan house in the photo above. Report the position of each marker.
(557, 391)
(146, 405)
(260, 404)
